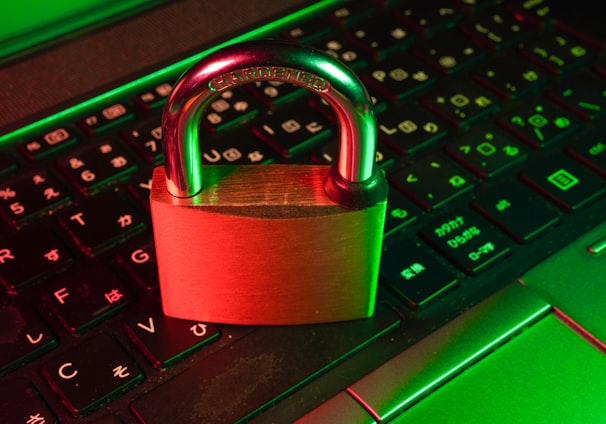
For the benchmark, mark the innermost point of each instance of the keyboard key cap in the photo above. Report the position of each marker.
(428, 18)
(31, 195)
(557, 52)
(8, 163)
(85, 295)
(563, 181)
(329, 152)
(293, 130)
(536, 12)
(461, 103)
(138, 257)
(509, 76)
(449, 52)
(467, 240)
(21, 403)
(97, 165)
(539, 123)
(584, 94)
(400, 213)
(23, 337)
(309, 29)
(414, 275)
(106, 118)
(496, 29)
(259, 369)
(154, 98)
(590, 149)
(91, 374)
(344, 50)
(238, 146)
(48, 143)
(487, 151)
(146, 139)
(30, 255)
(399, 76)
(517, 210)
(381, 35)
(101, 222)
(164, 340)
(432, 181)
(352, 13)
(410, 129)
(231, 107)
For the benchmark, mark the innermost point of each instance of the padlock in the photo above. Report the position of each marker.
(274, 244)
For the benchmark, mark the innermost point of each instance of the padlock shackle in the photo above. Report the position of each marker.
(266, 61)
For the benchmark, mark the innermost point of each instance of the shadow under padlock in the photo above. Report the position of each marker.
(268, 244)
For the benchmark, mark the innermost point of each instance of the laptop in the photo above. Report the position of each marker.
(490, 132)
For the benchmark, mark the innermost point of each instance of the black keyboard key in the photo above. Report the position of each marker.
(509, 76)
(583, 93)
(467, 240)
(48, 143)
(400, 213)
(154, 98)
(146, 139)
(328, 153)
(97, 165)
(590, 149)
(496, 29)
(381, 35)
(101, 222)
(427, 18)
(557, 52)
(449, 52)
(231, 107)
(399, 76)
(517, 210)
(539, 123)
(342, 49)
(106, 118)
(414, 275)
(140, 185)
(20, 403)
(164, 340)
(293, 130)
(537, 12)
(432, 181)
(239, 146)
(461, 103)
(85, 295)
(410, 129)
(29, 255)
(487, 151)
(309, 29)
(564, 181)
(352, 13)
(91, 374)
(256, 371)
(23, 337)
(138, 257)
(30, 195)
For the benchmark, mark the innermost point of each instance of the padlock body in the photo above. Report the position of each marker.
(265, 245)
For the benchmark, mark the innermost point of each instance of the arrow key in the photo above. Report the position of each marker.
(164, 340)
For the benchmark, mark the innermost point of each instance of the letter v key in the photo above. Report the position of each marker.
(150, 328)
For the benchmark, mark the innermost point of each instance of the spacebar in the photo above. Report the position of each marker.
(252, 373)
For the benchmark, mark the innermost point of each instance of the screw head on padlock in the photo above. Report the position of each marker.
(268, 244)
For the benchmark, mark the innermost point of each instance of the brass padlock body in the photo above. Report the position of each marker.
(268, 244)
(236, 255)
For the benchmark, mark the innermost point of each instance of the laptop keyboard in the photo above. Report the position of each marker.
(489, 133)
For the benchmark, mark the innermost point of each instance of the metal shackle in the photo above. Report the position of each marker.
(271, 61)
